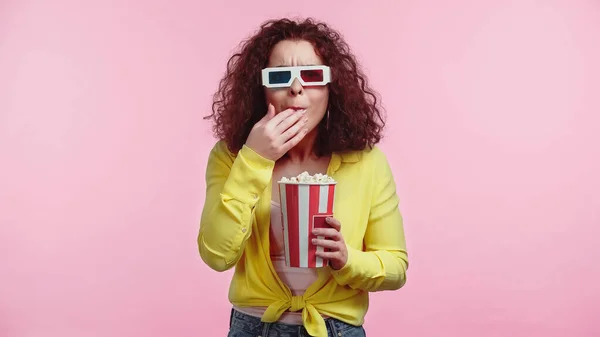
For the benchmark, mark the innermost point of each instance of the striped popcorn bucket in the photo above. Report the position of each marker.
(304, 206)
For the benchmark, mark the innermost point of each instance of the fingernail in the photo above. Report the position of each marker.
(314, 241)
(328, 219)
(305, 120)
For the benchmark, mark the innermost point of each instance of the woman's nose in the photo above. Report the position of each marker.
(296, 88)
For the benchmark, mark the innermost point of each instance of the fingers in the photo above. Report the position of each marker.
(331, 233)
(328, 255)
(333, 222)
(293, 130)
(297, 117)
(329, 244)
(283, 115)
(270, 112)
(267, 117)
(295, 140)
(280, 131)
(335, 229)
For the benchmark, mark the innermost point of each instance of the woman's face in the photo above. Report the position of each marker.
(313, 98)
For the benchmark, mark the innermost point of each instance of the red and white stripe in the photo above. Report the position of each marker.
(304, 207)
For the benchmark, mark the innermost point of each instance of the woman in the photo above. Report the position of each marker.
(294, 100)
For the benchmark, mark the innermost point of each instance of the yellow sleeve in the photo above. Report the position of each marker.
(233, 187)
(383, 264)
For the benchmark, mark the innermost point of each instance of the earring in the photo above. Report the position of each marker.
(327, 122)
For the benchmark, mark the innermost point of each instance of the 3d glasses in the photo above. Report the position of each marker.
(280, 77)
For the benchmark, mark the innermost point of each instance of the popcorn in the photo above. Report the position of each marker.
(305, 178)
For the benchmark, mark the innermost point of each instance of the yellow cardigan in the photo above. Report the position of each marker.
(234, 231)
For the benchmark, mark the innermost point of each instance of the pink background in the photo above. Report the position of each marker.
(493, 108)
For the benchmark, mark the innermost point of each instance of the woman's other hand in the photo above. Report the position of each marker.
(334, 241)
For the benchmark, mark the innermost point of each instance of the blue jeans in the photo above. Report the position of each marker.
(242, 325)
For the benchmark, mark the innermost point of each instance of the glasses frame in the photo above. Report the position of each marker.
(295, 71)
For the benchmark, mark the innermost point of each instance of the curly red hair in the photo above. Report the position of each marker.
(355, 117)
